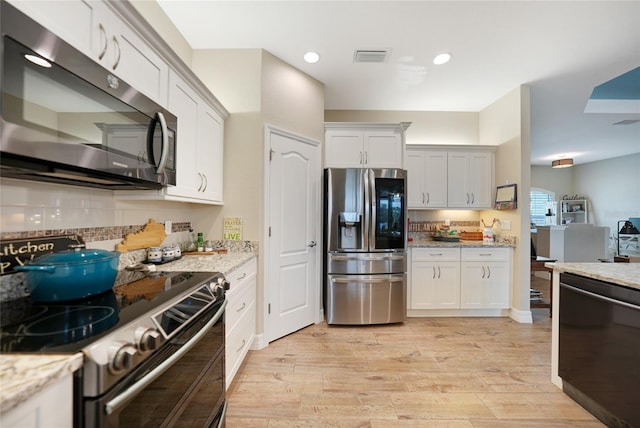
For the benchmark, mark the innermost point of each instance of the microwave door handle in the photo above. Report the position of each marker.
(165, 143)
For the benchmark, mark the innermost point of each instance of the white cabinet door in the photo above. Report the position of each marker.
(435, 285)
(344, 149)
(436, 179)
(382, 150)
(210, 152)
(416, 178)
(199, 148)
(427, 178)
(485, 278)
(364, 145)
(470, 179)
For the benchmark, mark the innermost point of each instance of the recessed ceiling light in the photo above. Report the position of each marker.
(443, 58)
(38, 60)
(311, 57)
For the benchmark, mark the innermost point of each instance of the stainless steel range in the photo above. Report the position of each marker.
(153, 348)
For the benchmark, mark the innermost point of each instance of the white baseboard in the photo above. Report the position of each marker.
(259, 342)
(523, 317)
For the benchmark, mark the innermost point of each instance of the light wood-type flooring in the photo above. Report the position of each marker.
(426, 372)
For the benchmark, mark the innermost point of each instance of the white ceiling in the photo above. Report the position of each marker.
(561, 49)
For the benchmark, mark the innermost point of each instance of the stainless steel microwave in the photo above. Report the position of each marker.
(66, 119)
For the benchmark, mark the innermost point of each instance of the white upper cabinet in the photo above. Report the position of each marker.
(470, 179)
(200, 146)
(364, 145)
(427, 178)
(96, 30)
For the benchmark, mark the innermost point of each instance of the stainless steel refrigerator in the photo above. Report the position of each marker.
(365, 240)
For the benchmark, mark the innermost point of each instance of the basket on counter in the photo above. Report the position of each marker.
(471, 236)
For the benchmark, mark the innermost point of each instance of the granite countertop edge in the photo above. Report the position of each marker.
(626, 274)
(460, 244)
(22, 375)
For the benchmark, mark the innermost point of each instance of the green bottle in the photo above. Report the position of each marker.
(200, 242)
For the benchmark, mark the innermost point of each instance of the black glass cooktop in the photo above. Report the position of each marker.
(27, 326)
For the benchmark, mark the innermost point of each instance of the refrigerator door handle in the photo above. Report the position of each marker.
(371, 202)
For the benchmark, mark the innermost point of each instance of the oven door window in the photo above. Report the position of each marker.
(190, 393)
(52, 105)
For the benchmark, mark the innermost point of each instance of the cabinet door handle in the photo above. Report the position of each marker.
(201, 182)
(467, 199)
(206, 182)
(366, 158)
(115, 64)
(423, 201)
(438, 272)
(488, 270)
(241, 276)
(427, 197)
(473, 197)
(434, 272)
(483, 272)
(361, 158)
(244, 342)
(106, 41)
(240, 309)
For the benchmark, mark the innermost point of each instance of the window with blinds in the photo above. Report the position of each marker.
(539, 199)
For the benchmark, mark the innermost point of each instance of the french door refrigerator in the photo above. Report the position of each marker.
(365, 243)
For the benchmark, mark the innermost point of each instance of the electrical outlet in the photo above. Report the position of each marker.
(167, 226)
(505, 224)
(447, 222)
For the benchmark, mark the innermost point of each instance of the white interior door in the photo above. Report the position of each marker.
(294, 215)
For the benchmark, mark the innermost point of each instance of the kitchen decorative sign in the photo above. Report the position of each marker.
(506, 197)
(232, 228)
(17, 252)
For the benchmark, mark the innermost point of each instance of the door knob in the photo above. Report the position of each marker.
(312, 244)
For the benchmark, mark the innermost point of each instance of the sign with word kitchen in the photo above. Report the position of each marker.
(17, 252)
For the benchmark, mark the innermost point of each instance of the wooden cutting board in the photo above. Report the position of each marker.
(151, 235)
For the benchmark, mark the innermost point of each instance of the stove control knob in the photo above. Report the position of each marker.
(122, 357)
(218, 291)
(147, 339)
(224, 283)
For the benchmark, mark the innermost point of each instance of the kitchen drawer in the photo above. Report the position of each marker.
(239, 277)
(435, 254)
(239, 340)
(485, 254)
(240, 303)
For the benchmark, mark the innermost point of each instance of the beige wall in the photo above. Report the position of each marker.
(559, 180)
(613, 189)
(506, 123)
(427, 127)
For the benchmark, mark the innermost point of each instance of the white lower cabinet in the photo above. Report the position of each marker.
(49, 407)
(240, 316)
(485, 278)
(459, 281)
(435, 278)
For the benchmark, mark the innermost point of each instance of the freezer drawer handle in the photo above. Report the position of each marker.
(358, 258)
(368, 280)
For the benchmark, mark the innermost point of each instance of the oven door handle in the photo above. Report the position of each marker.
(127, 395)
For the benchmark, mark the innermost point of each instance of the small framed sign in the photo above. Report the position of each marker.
(232, 228)
(17, 252)
(506, 197)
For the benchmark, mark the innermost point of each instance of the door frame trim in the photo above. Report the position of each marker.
(266, 259)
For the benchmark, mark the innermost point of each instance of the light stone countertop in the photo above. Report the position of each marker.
(22, 375)
(627, 274)
(429, 243)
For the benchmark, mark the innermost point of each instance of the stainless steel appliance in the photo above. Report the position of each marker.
(599, 348)
(153, 348)
(66, 119)
(365, 239)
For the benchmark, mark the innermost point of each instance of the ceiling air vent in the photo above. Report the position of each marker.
(370, 55)
(627, 122)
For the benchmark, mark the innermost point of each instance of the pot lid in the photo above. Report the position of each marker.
(76, 254)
